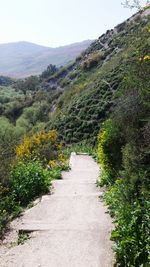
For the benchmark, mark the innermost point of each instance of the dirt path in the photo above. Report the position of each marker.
(70, 227)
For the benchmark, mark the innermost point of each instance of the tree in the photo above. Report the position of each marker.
(29, 84)
(51, 69)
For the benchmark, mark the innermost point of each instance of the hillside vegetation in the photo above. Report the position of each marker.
(96, 79)
(101, 99)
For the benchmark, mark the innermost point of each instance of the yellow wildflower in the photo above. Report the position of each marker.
(52, 163)
(146, 58)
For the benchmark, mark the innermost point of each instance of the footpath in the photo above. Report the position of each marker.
(68, 228)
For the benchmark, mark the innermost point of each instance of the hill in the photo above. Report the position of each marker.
(102, 99)
(91, 84)
(23, 59)
(78, 97)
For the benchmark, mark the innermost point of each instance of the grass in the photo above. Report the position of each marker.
(22, 237)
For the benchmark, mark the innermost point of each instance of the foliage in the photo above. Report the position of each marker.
(9, 136)
(39, 159)
(109, 152)
(132, 216)
(80, 119)
(29, 84)
(91, 61)
(82, 147)
(8, 208)
(88, 98)
(22, 238)
(128, 195)
(43, 146)
(28, 180)
(5, 81)
(51, 69)
(55, 173)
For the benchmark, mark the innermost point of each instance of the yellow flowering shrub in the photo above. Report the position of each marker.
(52, 163)
(25, 148)
(61, 157)
(43, 146)
(146, 58)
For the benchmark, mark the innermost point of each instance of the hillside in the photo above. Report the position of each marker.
(23, 59)
(77, 98)
(91, 84)
(99, 102)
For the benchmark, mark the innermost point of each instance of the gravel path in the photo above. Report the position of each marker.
(70, 228)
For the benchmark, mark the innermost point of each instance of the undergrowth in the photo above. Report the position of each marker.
(124, 155)
(39, 159)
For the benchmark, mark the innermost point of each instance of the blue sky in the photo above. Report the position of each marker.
(58, 22)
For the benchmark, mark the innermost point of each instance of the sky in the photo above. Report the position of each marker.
(56, 23)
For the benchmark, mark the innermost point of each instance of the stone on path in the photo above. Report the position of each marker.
(70, 227)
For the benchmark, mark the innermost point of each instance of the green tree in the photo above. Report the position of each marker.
(51, 69)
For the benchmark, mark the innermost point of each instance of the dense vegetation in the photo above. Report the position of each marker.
(124, 154)
(89, 93)
(32, 165)
(106, 92)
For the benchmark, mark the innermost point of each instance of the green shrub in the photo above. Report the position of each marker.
(8, 208)
(132, 232)
(4, 217)
(9, 136)
(28, 180)
(128, 197)
(55, 173)
(109, 152)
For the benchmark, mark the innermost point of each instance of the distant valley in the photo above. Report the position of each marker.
(22, 59)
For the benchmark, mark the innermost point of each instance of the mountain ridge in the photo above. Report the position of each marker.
(22, 59)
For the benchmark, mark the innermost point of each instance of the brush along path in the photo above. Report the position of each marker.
(70, 227)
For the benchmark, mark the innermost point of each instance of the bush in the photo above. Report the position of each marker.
(4, 217)
(132, 216)
(8, 140)
(29, 177)
(28, 180)
(8, 208)
(43, 146)
(109, 152)
(128, 195)
(55, 173)
(92, 60)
